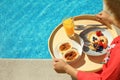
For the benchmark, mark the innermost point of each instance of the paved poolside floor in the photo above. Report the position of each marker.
(28, 69)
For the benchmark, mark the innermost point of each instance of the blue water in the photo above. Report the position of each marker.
(25, 25)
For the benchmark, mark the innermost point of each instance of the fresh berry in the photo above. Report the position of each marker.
(99, 33)
(105, 45)
(100, 43)
(100, 48)
(95, 45)
(94, 38)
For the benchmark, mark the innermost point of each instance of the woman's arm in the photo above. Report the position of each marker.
(60, 66)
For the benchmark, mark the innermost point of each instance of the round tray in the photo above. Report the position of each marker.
(86, 62)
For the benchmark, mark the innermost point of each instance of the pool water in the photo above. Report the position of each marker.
(25, 25)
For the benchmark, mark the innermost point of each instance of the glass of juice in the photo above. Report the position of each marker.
(68, 25)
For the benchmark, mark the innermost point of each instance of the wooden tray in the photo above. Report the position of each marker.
(86, 62)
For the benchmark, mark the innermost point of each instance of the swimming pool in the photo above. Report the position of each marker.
(25, 25)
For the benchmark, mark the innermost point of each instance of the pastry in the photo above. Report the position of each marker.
(64, 47)
(70, 55)
(97, 40)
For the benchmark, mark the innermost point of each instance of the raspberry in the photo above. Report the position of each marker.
(100, 43)
(105, 45)
(99, 33)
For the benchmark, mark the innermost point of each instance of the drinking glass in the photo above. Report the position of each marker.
(68, 25)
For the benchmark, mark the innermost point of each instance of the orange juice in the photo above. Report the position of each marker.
(69, 26)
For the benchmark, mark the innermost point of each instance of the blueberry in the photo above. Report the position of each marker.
(100, 48)
(95, 45)
(94, 38)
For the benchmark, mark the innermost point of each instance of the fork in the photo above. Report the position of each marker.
(82, 27)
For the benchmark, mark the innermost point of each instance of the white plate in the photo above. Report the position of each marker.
(74, 44)
(84, 36)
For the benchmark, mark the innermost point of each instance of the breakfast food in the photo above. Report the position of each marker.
(68, 52)
(97, 40)
(70, 55)
(64, 47)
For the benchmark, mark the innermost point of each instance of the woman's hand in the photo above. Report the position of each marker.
(59, 65)
(62, 67)
(104, 16)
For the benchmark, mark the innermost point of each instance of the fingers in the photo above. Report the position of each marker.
(54, 63)
(99, 16)
(56, 60)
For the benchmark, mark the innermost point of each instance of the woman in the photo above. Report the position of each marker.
(111, 70)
